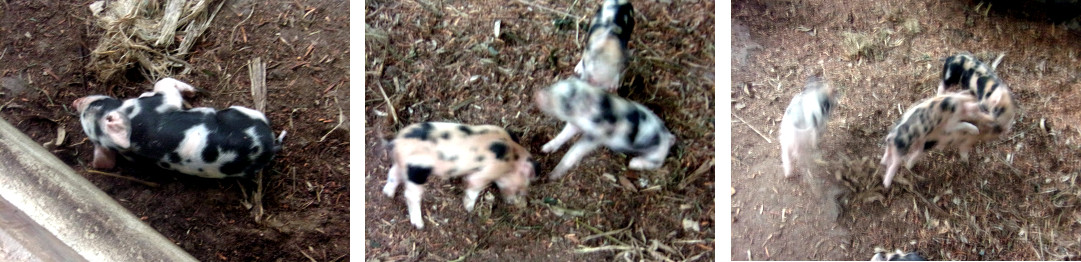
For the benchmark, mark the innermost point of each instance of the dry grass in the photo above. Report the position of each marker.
(141, 34)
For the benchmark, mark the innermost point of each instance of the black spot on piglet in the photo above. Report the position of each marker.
(465, 130)
(210, 155)
(421, 132)
(174, 157)
(635, 118)
(606, 113)
(499, 149)
(929, 145)
(901, 143)
(417, 174)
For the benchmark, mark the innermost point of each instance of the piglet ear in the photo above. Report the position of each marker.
(117, 128)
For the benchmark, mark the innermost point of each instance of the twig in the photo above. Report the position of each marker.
(604, 248)
(309, 257)
(341, 118)
(233, 34)
(389, 104)
(598, 231)
(257, 198)
(697, 172)
(565, 14)
(752, 128)
(151, 184)
(257, 73)
(605, 234)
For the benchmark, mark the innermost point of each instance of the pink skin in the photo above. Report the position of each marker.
(512, 178)
(944, 132)
(792, 143)
(103, 158)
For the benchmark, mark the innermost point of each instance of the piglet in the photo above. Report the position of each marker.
(897, 255)
(804, 120)
(605, 54)
(980, 80)
(233, 142)
(999, 103)
(603, 118)
(925, 124)
(962, 69)
(481, 154)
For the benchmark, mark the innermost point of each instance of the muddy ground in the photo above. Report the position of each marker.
(44, 46)
(1017, 199)
(443, 61)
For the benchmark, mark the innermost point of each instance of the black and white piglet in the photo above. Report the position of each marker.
(482, 154)
(979, 79)
(804, 120)
(999, 103)
(964, 69)
(897, 255)
(603, 118)
(927, 123)
(200, 141)
(605, 55)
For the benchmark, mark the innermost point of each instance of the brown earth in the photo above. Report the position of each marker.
(44, 47)
(442, 61)
(1017, 199)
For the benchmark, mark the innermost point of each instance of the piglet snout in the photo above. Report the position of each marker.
(78, 104)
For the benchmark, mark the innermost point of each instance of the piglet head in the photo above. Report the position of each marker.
(569, 99)
(515, 186)
(603, 62)
(93, 112)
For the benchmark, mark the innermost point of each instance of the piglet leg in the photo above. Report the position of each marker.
(413, 194)
(655, 159)
(568, 132)
(968, 133)
(172, 89)
(892, 162)
(103, 158)
(474, 184)
(394, 178)
(577, 151)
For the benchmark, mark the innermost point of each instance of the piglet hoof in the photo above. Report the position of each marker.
(389, 190)
(469, 205)
(643, 164)
(556, 174)
(549, 147)
(417, 223)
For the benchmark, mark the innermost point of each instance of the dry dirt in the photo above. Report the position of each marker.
(442, 61)
(1017, 199)
(44, 46)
